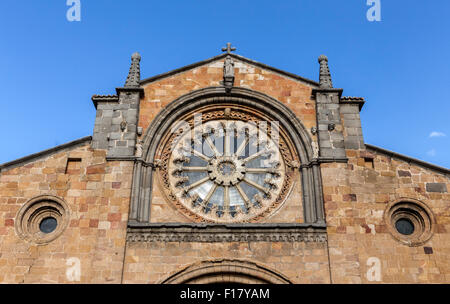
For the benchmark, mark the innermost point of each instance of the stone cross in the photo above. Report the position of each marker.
(228, 49)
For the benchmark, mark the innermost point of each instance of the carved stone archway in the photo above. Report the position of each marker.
(226, 271)
(145, 166)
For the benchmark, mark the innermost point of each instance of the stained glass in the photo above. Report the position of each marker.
(228, 172)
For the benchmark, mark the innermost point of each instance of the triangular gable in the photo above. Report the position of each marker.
(237, 57)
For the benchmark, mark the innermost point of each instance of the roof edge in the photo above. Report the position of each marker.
(104, 98)
(36, 156)
(360, 101)
(409, 159)
(239, 57)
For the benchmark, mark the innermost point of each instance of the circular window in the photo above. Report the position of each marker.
(404, 226)
(42, 219)
(228, 168)
(410, 221)
(48, 225)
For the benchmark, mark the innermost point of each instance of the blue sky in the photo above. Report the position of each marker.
(50, 67)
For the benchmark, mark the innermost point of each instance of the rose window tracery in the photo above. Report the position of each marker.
(227, 170)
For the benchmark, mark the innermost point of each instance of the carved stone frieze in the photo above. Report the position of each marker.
(226, 233)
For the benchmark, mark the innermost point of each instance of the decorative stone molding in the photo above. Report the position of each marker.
(352, 98)
(226, 271)
(213, 233)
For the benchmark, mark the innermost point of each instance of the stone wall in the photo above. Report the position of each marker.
(153, 262)
(97, 194)
(357, 196)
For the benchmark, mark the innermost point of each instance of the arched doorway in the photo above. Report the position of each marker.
(226, 271)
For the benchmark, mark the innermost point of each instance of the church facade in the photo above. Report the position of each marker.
(226, 170)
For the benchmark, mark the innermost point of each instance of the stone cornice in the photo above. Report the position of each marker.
(104, 98)
(213, 233)
(352, 98)
(332, 160)
(313, 162)
(122, 158)
(134, 90)
(359, 101)
(327, 90)
(133, 159)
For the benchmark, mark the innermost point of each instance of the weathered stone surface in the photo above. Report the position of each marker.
(437, 187)
(94, 189)
(353, 136)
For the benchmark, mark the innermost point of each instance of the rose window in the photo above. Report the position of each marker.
(234, 166)
(226, 171)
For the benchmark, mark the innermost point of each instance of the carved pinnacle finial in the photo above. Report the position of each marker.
(325, 75)
(134, 76)
(228, 49)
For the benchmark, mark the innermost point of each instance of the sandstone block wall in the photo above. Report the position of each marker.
(356, 197)
(154, 262)
(97, 193)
